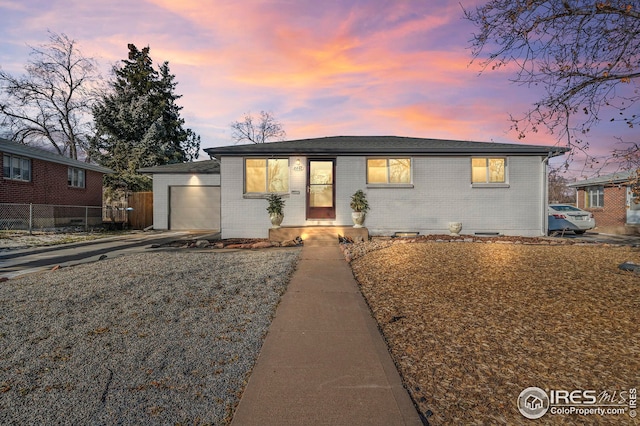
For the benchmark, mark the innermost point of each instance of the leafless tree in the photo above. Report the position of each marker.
(263, 129)
(584, 55)
(559, 192)
(51, 103)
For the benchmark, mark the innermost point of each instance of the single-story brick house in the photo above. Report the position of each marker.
(610, 200)
(186, 195)
(412, 184)
(33, 175)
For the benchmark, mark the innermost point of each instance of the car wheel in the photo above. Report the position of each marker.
(579, 232)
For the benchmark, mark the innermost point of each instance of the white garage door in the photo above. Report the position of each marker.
(194, 207)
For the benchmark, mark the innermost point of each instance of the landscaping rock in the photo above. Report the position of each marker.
(239, 246)
(629, 266)
(261, 245)
(202, 244)
(289, 243)
(345, 239)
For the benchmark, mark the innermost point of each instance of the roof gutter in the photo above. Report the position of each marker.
(347, 153)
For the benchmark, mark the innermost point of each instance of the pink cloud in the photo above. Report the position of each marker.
(323, 68)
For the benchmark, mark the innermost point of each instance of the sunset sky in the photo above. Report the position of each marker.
(323, 68)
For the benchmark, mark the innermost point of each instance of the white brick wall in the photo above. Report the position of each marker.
(240, 217)
(161, 184)
(441, 192)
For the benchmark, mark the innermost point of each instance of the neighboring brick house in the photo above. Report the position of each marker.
(36, 176)
(610, 200)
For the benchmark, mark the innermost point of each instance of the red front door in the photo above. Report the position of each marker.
(321, 192)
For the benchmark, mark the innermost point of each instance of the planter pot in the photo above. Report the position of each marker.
(276, 220)
(358, 219)
(455, 228)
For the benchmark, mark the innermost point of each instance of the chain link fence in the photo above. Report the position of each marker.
(49, 217)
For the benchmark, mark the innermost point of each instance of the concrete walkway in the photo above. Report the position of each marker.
(323, 360)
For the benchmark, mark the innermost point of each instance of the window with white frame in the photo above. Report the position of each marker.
(262, 175)
(594, 197)
(488, 170)
(388, 170)
(75, 177)
(16, 168)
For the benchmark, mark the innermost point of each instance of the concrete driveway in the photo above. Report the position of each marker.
(594, 237)
(14, 263)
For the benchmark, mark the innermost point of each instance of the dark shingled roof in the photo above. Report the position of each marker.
(198, 167)
(27, 151)
(382, 145)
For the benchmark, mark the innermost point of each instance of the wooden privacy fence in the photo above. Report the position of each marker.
(140, 210)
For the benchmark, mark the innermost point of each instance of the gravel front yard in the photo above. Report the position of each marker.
(472, 325)
(153, 338)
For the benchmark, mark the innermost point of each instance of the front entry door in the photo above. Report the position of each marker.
(321, 192)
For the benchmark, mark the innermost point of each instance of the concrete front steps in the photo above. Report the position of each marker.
(317, 235)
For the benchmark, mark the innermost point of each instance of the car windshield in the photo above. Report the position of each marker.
(565, 208)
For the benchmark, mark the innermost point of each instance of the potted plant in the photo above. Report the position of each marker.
(276, 205)
(360, 206)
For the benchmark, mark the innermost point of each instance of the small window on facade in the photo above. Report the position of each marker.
(594, 197)
(488, 170)
(389, 170)
(76, 177)
(263, 175)
(16, 168)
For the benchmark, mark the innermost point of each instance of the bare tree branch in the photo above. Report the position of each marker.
(585, 54)
(247, 131)
(52, 102)
(559, 192)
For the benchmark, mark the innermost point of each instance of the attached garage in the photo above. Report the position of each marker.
(186, 196)
(194, 207)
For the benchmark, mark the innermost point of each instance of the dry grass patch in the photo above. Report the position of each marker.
(472, 325)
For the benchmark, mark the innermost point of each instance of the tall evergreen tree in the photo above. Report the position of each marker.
(138, 123)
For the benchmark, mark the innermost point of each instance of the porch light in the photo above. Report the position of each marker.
(298, 167)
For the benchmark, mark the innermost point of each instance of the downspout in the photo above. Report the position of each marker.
(545, 195)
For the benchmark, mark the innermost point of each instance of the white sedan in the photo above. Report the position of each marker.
(563, 217)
